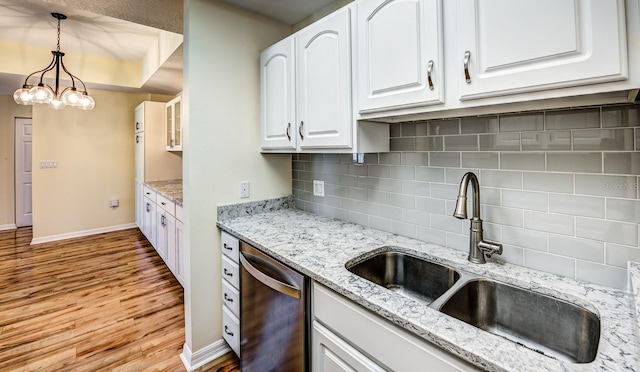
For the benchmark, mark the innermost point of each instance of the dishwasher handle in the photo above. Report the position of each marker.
(284, 288)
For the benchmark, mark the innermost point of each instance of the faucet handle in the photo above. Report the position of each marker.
(490, 248)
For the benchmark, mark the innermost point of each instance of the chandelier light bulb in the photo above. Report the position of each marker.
(71, 97)
(57, 104)
(41, 94)
(22, 95)
(86, 102)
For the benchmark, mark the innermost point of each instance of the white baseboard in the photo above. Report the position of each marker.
(78, 234)
(10, 226)
(203, 356)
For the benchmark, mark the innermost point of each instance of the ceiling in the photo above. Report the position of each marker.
(286, 11)
(117, 29)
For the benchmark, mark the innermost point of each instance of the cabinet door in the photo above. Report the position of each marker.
(277, 96)
(162, 234)
(181, 265)
(400, 54)
(168, 128)
(325, 119)
(139, 156)
(170, 228)
(139, 200)
(177, 124)
(149, 221)
(139, 118)
(332, 354)
(514, 46)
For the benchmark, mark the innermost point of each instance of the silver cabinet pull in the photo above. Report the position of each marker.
(163, 221)
(467, 56)
(227, 331)
(227, 298)
(300, 130)
(288, 130)
(429, 69)
(137, 139)
(227, 247)
(148, 207)
(163, 203)
(227, 273)
(137, 125)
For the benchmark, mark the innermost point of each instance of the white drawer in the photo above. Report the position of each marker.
(231, 298)
(149, 193)
(231, 330)
(179, 213)
(231, 272)
(166, 204)
(230, 246)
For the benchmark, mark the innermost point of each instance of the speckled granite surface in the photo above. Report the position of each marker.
(634, 288)
(171, 189)
(231, 211)
(319, 247)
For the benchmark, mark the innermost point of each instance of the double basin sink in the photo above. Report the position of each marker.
(549, 326)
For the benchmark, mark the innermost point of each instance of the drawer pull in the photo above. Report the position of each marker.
(227, 331)
(429, 69)
(227, 247)
(163, 203)
(226, 272)
(227, 298)
(148, 207)
(467, 56)
(137, 125)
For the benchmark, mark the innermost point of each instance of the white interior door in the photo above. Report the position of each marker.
(23, 165)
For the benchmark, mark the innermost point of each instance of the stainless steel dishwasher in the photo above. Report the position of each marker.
(273, 314)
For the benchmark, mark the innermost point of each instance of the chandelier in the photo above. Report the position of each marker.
(54, 97)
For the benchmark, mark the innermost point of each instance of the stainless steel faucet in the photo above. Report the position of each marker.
(478, 247)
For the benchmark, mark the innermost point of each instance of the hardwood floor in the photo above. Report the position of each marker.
(100, 303)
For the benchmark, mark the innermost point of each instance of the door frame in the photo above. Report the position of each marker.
(18, 169)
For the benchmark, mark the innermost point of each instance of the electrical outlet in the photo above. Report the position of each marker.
(244, 189)
(48, 164)
(318, 188)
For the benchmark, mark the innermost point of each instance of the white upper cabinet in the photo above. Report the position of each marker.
(400, 54)
(324, 100)
(515, 46)
(277, 84)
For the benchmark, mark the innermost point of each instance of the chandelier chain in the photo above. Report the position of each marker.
(58, 35)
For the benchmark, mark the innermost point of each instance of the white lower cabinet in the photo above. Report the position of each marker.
(180, 263)
(165, 231)
(333, 354)
(231, 291)
(149, 220)
(340, 344)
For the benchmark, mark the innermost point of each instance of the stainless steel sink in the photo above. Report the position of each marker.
(544, 324)
(408, 275)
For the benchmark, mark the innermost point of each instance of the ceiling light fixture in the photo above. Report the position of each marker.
(53, 97)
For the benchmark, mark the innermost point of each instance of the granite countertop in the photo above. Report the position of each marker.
(319, 247)
(171, 189)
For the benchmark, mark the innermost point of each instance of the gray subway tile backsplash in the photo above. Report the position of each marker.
(573, 119)
(603, 140)
(486, 124)
(546, 141)
(522, 122)
(442, 127)
(622, 162)
(585, 162)
(559, 188)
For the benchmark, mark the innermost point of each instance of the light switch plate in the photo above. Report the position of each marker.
(244, 189)
(318, 188)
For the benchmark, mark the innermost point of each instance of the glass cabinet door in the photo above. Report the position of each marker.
(169, 126)
(177, 129)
